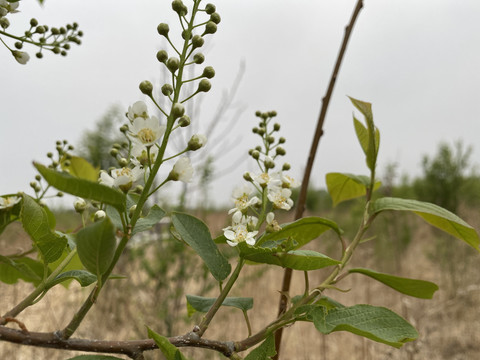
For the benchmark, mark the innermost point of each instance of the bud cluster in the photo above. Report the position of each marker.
(56, 40)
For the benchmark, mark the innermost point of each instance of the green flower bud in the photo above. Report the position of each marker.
(173, 64)
(18, 45)
(50, 155)
(3, 11)
(198, 58)
(255, 154)
(210, 9)
(261, 131)
(184, 121)
(33, 184)
(63, 31)
(286, 167)
(269, 164)
(208, 72)
(41, 29)
(177, 110)
(250, 152)
(179, 7)
(60, 194)
(276, 126)
(4, 23)
(247, 176)
(215, 17)
(146, 87)
(28, 34)
(162, 56)
(39, 55)
(55, 31)
(210, 28)
(281, 140)
(99, 215)
(280, 151)
(33, 22)
(196, 142)
(255, 130)
(56, 50)
(66, 46)
(117, 146)
(167, 89)
(163, 29)
(138, 189)
(63, 52)
(272, 113)
(122, 162)
(186, 35)
(204, 85)
(114, 152)
(80, 205)
(270, 139)
(67, 163)
(124, 128)
(131, 211)
(197, 41)
(258, 113)
(38, 177)
(258, 148)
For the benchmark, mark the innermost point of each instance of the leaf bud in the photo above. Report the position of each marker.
(167, 89)
(40, 29)
(177, 110)
(198, 58)
(281, 140)
(286, 167)
(215, 17)
(80, 205)
(163, 29)
(162, 56)
(146, 87)
(204, 85)
(208, 72)
(196, 142)
(247, 176)
(255, 154)
(280, 151)
(276, 126)
(122, 162)
(33, 22)
(270, 139)
(184, 121)
(210, 9)
(99, 215)
(173, 64)
(210, 28)
(197, 41)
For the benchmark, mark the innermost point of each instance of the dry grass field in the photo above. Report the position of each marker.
(449, 324)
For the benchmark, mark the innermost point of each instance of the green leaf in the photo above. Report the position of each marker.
(302, 231)
(25, 268)
(412, 287)
(83, 188)
(96, 246)
(265, 351)
(376, 323)
(95, 357)
(343, 186)
(294, 259)
(196, 234)
(169, 350)
(74, 263)
(154, 216)
(433, 214)
(36, 223)
(83, 277)
(203, 304)
(81, 168)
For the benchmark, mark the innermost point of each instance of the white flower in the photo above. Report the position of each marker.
(272, 224)
(239, 231)
(122, 178)
(138, 109)
(139, 154)
(280, 197)
(264, 180)
(10, 7)
(241, 197)
(146, 131)
(9, 201)
(182, 170)
(21, 56)
(286, 180)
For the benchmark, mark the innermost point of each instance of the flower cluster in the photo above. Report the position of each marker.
(265, 191)
(7, 202)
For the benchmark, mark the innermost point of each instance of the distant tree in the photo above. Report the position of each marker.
(95, 145)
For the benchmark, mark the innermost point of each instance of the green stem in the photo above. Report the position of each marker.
(41, 288)
(213, 310)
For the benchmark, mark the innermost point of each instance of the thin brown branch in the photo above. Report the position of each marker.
(311, 157)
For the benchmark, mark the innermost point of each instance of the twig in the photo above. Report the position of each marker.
(311, 157)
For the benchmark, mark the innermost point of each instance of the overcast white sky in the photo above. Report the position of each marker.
(416, 61)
